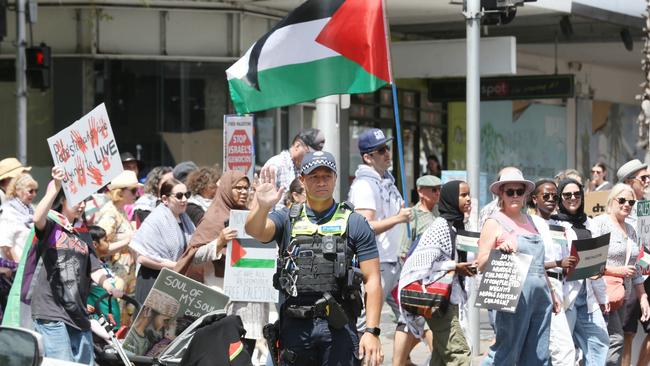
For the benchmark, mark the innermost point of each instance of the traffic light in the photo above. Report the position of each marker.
(39, 66)
(500, 12)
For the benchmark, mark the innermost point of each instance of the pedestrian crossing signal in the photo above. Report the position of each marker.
(39, 66)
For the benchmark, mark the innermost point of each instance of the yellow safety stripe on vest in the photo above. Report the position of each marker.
(337, 224)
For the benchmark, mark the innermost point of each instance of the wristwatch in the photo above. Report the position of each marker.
(374, 331)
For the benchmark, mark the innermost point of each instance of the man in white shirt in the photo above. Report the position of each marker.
(375, 196)
(287, 163)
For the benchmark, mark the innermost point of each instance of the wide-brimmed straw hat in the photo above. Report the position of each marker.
(126, 179)
(513, 176)
(11, 167)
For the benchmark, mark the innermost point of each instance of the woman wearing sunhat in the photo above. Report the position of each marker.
(112, 217)
(522, 337)
(9, 169)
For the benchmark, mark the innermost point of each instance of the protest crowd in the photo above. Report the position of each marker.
(348, 257)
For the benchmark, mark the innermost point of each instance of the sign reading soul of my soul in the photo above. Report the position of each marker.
(238, 147)
(173, 303)
(502, 281)
(87, 152)
(250, 265)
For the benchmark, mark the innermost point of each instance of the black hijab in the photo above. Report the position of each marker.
(448, 205)
(578, 219)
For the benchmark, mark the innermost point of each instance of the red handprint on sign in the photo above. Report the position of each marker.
(95, 175)
(81, 144)
(103, 126)
(72, 187)
(106, 163)
(92, 127)
(81, 171)
(61, 152)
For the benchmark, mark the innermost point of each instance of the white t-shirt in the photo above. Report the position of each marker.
(12, 234)
(368, 195)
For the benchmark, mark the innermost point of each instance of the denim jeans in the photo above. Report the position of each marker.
(589, 333)
(63, 342)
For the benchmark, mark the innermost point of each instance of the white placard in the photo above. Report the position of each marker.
(87, 151)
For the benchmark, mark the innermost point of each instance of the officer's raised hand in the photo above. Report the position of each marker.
(370, 350)
(267, 193)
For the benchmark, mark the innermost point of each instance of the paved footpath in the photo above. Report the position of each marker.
(420, 354)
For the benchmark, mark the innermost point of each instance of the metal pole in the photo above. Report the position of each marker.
(21, 84)
(473, 15)
(327, 120)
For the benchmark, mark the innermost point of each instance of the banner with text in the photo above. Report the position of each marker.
(250, 265)
(174, 302)
(87, 152)
(238, 144)
(592, 257)
(502, 281)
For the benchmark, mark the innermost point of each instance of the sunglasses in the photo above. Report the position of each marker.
(32, 191)
(179, 195)
(549, 197)
(568, 195)
(644, 178)
(134, 191)
(511, 192)
(596, 172)
(621, 201)
(382, 151)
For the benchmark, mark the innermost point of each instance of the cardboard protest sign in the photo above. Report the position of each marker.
(596, 203)
(250, 265)
(238, 146)
(87, 152)
(592, 257)
(175, 301)
(502, 281)
(467, 241)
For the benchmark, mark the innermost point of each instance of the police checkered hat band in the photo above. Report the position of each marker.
(317, 159)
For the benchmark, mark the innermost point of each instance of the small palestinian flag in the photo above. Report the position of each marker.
(323, 47)
(643, 262)
(250, 253)
(467, 241)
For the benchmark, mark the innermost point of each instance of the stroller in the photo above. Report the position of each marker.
(109, 350)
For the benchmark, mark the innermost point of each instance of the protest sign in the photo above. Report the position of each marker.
(451, 175)
(643, 234)
(238, 146)
(174, 302)
(592, 257)
(250, 265)
(467, 241)
(502, 281)
(596, 203)
(87, 152)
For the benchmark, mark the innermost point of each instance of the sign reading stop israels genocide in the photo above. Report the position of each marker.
(87, 152)
(502, 281)
(238, 147)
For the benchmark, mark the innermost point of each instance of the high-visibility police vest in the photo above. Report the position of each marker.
(317, 257)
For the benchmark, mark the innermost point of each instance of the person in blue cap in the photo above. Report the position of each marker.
(375, 196)
(326, 251)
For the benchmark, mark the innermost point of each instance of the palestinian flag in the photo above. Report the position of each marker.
(467, 241)
(250, 253)
(323, 47)
(643, 262)
(592, 257)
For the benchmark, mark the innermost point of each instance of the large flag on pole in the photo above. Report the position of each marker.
(323, 47)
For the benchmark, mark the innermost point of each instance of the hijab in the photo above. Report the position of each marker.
(215, 217)
(448, 205)
(578, 219)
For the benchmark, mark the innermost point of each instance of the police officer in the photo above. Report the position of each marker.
(325, 251)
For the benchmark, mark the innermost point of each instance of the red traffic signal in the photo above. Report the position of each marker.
(38, 57)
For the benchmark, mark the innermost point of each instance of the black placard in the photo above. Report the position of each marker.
(505, 88)
(502, 281)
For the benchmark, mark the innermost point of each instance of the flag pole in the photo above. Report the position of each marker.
(398, 128)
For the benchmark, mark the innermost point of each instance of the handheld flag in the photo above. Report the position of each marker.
(323, 47)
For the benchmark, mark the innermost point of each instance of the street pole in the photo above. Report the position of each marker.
(21, 84)
(327, 120)
(473, 143)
